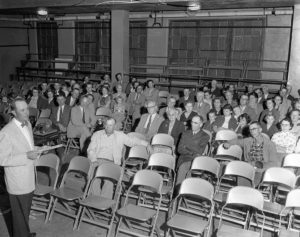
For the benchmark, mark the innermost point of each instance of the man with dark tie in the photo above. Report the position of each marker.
(80, 122)
(73, 98)
(60, 116)
(149, 122)
(201, 107)
(192, 144)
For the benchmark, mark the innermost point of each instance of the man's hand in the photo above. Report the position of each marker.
(33, 155)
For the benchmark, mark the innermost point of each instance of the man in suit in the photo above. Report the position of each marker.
(245, 108)
(192, 144)
(89, 91)
(135, 101)
(73, 98)
(172, 126)
(149, 122)
(81, 121)
(60, 116)
(201, 107)
(17, 155)
(187, 96)
(215, 90)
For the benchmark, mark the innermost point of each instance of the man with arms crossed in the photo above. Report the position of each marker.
(17, 155)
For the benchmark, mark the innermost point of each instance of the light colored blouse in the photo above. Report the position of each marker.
(285, 142)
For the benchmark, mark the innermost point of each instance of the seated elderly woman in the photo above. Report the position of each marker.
(243, 125)
(285, 140)
(172, 126)
(226, 121)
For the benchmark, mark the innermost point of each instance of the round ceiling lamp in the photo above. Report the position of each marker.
(42, 11)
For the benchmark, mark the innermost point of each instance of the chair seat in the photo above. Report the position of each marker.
(98, 202)
(272, 207)
(229, 231)
(136, 212)
(188, 224)
(42, 190)
(289, 233)
(67, 194)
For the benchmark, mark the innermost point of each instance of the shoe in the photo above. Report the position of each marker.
(33, 234)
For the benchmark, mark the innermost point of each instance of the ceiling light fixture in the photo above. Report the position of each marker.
(42, 11)
(194, 6)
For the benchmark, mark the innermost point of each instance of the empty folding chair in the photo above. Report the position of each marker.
(99, 210)
(292, 161)
(137, 135)
(164, 164)
(41, 198)
(290, 211)
(234, 173)
(163, 143)
(275, 185)
(205, 167)
(193, 209)
(234, 152)
(70, 193)
(136, 160)
(249, 199)
(147, 184)
(225, 135)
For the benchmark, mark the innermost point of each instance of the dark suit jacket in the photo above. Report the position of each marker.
(187, 121)
(176, 132)
(68, 99)
(191, 145)
(41, 103)
(232, 125)
(65, 119)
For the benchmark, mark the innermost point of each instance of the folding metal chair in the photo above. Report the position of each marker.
(137, 135)
(225, 135)
(99, 210)
(291, 208)
(198, 203)
(206, 168)
(164, 164)
(249, 199)
(41, 198)
(234, 170)
(148, 185)
(275, 185)
(163, 143)
(234, 152)
(292, 161)
(70, 194)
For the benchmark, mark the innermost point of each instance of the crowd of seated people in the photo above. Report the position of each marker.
(73, 110)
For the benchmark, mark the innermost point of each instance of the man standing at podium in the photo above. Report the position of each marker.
(17, 155)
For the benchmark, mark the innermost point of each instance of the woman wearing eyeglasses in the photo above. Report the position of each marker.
(285, 140)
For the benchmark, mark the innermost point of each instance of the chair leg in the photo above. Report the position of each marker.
(79, 217)
(53, 208)
(118, 226)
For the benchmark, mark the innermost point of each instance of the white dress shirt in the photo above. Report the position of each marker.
(58, 112)
(25, 131)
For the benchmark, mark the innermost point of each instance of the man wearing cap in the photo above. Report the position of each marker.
(150, 122)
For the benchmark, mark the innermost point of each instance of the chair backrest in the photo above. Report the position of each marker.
(109, 171)
(162, 160)
(241, 169)
(225, 135)
(49, 160)
(291, 161)
(139, 152)
(205, 163)
(80, 163)
(293, 199)
(103, 111)
(149, 179)
(278, 175)
(137, 135)
(233, 151)
(163, 140)
(197, 187)
(247, 196)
